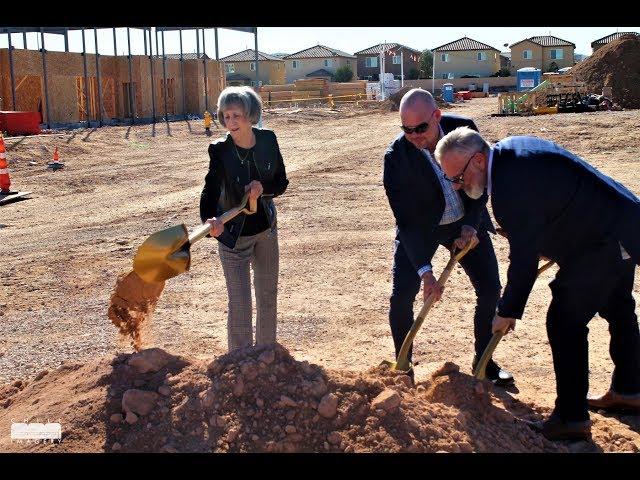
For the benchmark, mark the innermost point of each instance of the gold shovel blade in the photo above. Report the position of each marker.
(396, 367)
(163, 255)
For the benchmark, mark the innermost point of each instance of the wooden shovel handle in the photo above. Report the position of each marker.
(202, 231)
(480, 370)
(402, 362)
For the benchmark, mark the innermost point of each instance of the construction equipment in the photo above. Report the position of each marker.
(480, 372)
(402, 363)
(545, 110)
(166, 253)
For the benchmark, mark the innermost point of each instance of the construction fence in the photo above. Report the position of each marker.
(506, 83)
(313, 91)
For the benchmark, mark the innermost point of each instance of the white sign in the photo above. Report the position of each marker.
(373, 91)
(36, 431)
(526, 83)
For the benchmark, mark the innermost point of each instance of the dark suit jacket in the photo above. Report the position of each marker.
(550, 202)
(416, 198)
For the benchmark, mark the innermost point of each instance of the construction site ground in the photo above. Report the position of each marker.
(63, 249)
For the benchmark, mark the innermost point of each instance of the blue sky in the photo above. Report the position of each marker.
(293, 39)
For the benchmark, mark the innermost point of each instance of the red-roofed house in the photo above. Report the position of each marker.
(601, 42)
(465, 56)
(317, 62)
(369, 60)
(542, 52)
(240, 68)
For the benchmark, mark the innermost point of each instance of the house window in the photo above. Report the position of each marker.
(296, 64)
(253, 83)
(526, 54)
(447, 76)
(556, 54)
(444, 57)
(252, 66)
(396, 59)
(327, 62)
(371, 62)
(482, 56)
(231, 68)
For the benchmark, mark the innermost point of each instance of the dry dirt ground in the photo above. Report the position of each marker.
(63, 249)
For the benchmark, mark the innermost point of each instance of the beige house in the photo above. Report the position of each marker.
(240, 69)
(463, 57)
(542, 52)
(317, 62)
(601, 42)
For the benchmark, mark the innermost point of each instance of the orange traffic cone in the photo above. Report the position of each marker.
(56, 164)
(6, 195)
(5, 181)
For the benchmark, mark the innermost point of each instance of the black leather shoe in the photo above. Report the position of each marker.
(554, 428)
(616, 403)
(497, 375)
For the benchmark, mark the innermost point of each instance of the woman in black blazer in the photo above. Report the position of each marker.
(246, 159)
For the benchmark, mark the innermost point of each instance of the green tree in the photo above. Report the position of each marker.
(426, 64)
(413, 74)
(343, 74)
(503, 72)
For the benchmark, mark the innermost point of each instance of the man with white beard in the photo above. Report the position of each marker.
(551, 203)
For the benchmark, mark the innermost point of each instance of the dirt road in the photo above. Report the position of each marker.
(63, 249)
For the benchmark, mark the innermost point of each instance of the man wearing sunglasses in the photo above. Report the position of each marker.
(552, 203)
(428, 213)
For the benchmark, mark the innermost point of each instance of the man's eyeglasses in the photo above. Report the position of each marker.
(459, 179)
(418, 128)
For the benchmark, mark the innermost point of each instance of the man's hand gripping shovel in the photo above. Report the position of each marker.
(402, 363)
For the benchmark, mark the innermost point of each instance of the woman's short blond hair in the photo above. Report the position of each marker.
(245, 98)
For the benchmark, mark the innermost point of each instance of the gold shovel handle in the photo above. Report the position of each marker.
(480, 371)
(402, 362)
(202, 231)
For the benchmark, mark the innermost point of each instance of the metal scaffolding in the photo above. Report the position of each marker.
(64, 31)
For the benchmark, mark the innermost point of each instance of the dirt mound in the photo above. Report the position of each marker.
(615, 65)
(132, 302)
(260, 399)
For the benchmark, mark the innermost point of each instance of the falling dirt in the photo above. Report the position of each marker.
(132, 302)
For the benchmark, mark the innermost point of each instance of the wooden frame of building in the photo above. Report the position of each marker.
(97, 100)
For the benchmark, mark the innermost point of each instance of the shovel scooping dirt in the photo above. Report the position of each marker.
(164, 255)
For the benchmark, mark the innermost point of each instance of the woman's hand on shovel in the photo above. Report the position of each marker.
(503, 324)
(217, 227)
(255, 189)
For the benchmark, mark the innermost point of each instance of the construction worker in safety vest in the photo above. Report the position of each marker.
(207, 122)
